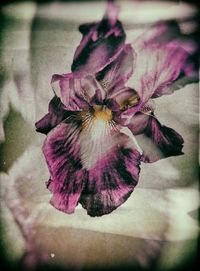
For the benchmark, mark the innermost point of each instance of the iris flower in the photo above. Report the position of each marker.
(99, 126)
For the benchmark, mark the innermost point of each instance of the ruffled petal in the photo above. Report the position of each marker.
(156, 68)
(77, 92)
(62, 152)
(100, 42)
(157, 141)
(114, 76)
(56, 114)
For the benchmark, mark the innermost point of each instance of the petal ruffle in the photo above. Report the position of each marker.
(157, 141)
(62, 152)
(77, 92)
(114, 76)
(56, 114)
(100, 42)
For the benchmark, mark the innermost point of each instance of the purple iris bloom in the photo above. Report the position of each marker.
(98, 128)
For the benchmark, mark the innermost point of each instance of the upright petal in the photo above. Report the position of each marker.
(75, 91)
(114, 76)
(100, 42)
(62, 152)
(156, 68)
(57, 113)
(163, 33)
(157, 141)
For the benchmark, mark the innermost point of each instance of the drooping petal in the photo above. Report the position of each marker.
(157, 141)
(112, 161)
(76, 92)
(56, 114)
(62, 152)
(111, 181)
(89, 158)
(100, 42)
(114, 76)
(156, 68)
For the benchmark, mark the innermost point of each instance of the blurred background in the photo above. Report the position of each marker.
(157, 228)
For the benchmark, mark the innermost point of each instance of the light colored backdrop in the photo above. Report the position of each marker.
(158, 223)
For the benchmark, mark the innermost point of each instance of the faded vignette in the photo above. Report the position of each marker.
(157, 227)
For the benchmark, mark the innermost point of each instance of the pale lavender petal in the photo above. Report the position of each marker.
(62, 152)
(100, 42)
(157, 141)
(156, 68)
(57, 113)
(76, 92)
(114, 76)
(163, 33)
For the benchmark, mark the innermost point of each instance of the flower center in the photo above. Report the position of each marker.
(102, 112)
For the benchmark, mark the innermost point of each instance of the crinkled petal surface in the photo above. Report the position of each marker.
(99, 44)
(114, 76)
(90, 161)
(157, 141)
(163, 33)
(156, 68)
(56, 114)
(76, 92)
